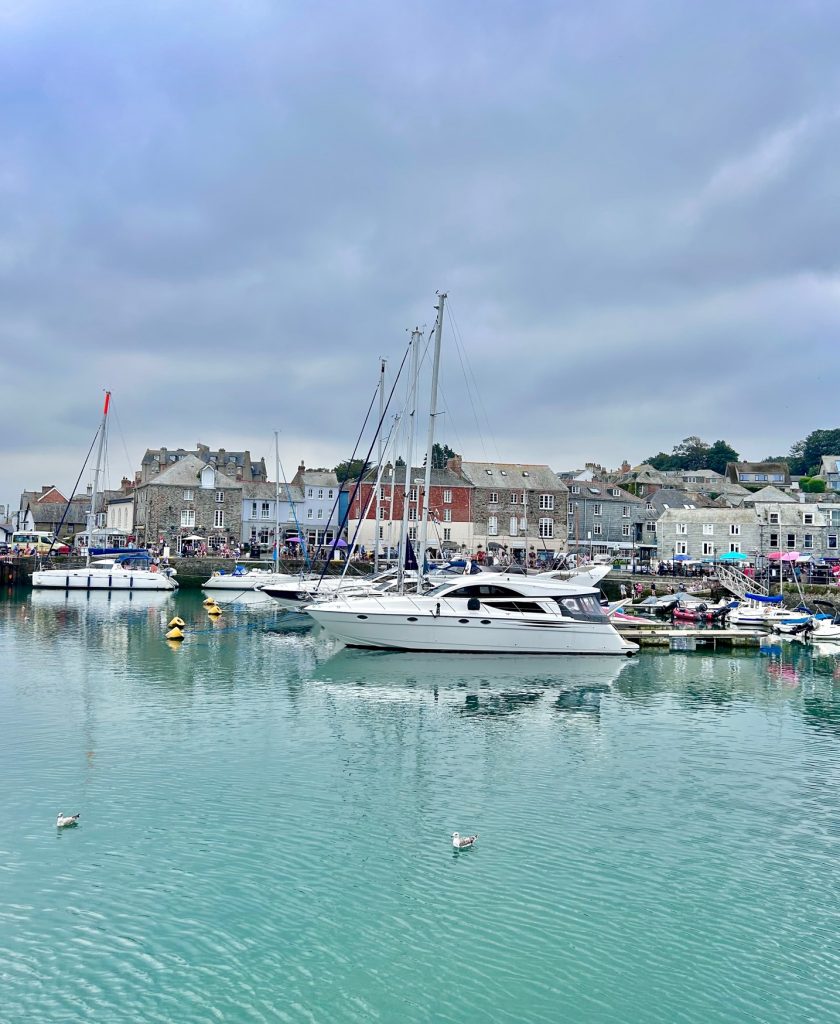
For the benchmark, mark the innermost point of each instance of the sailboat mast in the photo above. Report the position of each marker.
(91, 524)
(409, 455)
(424, 521)
(381, 455)
(276, 503)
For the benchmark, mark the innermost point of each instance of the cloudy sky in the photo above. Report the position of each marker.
(226, 210)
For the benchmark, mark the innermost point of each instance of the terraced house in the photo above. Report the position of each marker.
(603, 519)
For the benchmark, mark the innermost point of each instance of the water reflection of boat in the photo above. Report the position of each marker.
(101, 602)
(479, 684)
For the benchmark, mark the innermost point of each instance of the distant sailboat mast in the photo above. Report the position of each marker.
(424, 519)
(411, 420)
(91, 519)
(378, 514)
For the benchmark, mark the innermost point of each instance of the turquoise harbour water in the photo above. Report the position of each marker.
(266, 818)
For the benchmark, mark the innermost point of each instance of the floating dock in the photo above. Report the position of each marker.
(655, 635)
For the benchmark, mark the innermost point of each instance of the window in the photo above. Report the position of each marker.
(571, 509)
(808, 541)
(494, 498)
(447, 497)
(597, 508)
(447, 533)
(263, 538)
(219, 517)
(575, 489)
(253, 510)
(734, 547)
(382, 492)
(291, 515)
(265, 510)
(514, 526)
(330, 494)
(650, 527)
(309, 492)
(774, 540)
(220, 497)
(807, 518)
(761, 477)
(381, 533)
(649, 506)
(309, 513)
(708, 529)
(412, 513)
(546, 527)
(492, 526)
(320, 513)
(625, 530)
(412, 533)
(447, 515)
(412, 494)
(547, 502)
(187, 517)
(188, 494)
(625, 511)
(832, 540)
(681, 548)
(708, 547)
(774, 518)
(596, 529)
(615, 492)
(734, 529)
(791, 540)
(777, 477)
(381, 511)
(682, 529)
(514, 497)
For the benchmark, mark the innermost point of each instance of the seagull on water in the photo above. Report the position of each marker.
(64, 820)
(463, 842)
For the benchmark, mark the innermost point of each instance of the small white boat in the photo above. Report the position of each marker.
(242, 578)
(759, 610)
(133, 570)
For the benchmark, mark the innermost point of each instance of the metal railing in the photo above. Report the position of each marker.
(738, 582)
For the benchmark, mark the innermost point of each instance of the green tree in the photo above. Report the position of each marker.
(719, 454)
(440, 453)
(805, 456)
(692, 453)
(350, 469)
(662, 462)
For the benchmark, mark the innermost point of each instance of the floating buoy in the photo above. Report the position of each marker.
(175, 634)
(208, 601)
(176, 622)
(214, 610)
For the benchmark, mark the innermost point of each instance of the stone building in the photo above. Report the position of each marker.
(321, 512)
(234, 465)
(753, 475)
(189, 498)
(515, 506)
(450, 528)
(603, 519)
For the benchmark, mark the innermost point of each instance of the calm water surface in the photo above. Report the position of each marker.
(265, 822)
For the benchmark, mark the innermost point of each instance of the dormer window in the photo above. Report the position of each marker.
(575, 489)
(502, 472)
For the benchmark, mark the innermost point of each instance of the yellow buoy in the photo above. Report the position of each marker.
(214, 610)
(175, 634)
(208, 601)
(176, 622)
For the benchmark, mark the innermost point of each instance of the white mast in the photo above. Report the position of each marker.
(276, 503)
(409, 456)
(91, 522)
(381, 456)
(424, 520)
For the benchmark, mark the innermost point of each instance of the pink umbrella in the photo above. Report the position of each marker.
(784, 556)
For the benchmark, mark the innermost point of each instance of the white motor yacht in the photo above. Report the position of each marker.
(240, 578)
(133, 570)
(760, 610)
(483, 613)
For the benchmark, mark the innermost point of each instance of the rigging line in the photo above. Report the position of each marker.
(298, 532)
(72, 493)
(322, 547)
(377, 483)
(346, 515)
(458, 351)
(128, 461)
(461, 349)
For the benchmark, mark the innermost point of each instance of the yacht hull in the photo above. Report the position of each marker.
(471, 634)
(94, 579)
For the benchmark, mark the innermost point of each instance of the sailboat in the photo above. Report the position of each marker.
(132, 569)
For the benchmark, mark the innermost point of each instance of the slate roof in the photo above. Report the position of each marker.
(512, 476)
(187, 473)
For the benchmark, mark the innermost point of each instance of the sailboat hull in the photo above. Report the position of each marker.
(102, 579)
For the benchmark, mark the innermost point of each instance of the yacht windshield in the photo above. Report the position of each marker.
(584, 607)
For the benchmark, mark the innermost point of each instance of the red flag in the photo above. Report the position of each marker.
(107, 402)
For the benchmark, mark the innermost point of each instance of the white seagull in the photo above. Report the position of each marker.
(463, 842)
(64, 820)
